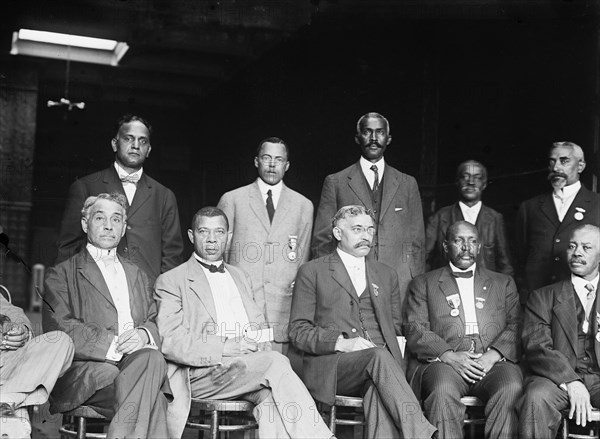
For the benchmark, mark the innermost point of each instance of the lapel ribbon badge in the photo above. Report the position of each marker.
(598, 324)
(479, 302)
(293, 245)
(375, 289)
(579, 213)
(454, 303)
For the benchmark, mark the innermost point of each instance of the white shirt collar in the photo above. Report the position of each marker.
(123, 173)
(349, 260)
(579, 283)
(471, 268)
(571, 190)
(100, 253)
(365, 165)
(217, 263)
(275, 190)
(474, 209)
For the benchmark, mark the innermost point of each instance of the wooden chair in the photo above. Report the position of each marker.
(4, 291)
(475, 414)
(76, 423)
(355, 418)
(218, 416)
(592, 428)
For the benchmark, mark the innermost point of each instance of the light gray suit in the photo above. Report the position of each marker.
(263, 249)
(187, 319)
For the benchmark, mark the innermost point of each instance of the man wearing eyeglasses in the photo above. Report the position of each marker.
(345, 321)
(271, 226)
(462, 333)
(153, 239)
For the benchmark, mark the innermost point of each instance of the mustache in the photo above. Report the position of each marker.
(362, 243)
(375, 143)
(467, 253)
(553, 175)
(577, 260)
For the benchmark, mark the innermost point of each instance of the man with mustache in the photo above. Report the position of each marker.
(392, 197)
(462, 333)
(471, 180)
(561, 339)
(345, 320)
(545, 222)
(105, 304)
(153, 239)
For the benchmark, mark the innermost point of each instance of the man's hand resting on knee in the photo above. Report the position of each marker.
(352, 344)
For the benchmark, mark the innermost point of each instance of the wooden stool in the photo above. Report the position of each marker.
(222, 414)
(474, 415)
(594, 431)
(356, 418)
(75, 423)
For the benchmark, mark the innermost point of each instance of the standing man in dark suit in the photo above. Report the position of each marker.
(345, 321)
(105, 304)
(561, 339)
(545, 222)
(153, 237)
(392, 196)
(270, 225)
(471, 180)
(462, 333)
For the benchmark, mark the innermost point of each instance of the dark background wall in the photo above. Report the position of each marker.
(496, 89)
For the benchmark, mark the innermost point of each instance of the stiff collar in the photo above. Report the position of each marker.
(123, 173)
(365, 165)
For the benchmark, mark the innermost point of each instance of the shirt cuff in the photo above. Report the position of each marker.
(151, 343)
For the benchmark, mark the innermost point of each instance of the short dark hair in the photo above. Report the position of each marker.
(471, 162)
(450, 231)
(209, 211)
(273, 140)
(127, 118)
(116, 197)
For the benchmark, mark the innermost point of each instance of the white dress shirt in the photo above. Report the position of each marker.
(579, 284)
(365, 165)
(275, 191)
(356, 270)
(129, 187)
(466, 288)
(232, 318)
(563, 198)
(470, 213)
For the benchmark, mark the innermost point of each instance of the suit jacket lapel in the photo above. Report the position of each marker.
(549, 209)
(112, 181)
(581, 200)
(199, 285)
(259, 207)
(449, 287)
(390, 187)
(283, 206)
(341, 276)
(358, 185)
(143, 192)
(481, 290)
(90, 271)
(252, 310)
(483, 219)
(566, 313)
(131, 273)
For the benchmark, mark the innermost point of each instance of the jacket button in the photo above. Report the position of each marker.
(128, 227)
(557, 240)
(557, 258)
(353, 329)
(125, 249)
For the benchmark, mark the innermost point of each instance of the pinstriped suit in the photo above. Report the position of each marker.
(431, 330)
(261, 248)
(550, 333)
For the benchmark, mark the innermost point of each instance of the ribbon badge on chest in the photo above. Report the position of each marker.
(479, 302)
(453, 303)
(579, 214)
(293, 246)
(598, 322)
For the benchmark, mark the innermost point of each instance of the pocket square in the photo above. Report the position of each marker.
(397, 209)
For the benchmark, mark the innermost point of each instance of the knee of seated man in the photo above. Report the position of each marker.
(153, 357)
(539, 392)
(276, 358)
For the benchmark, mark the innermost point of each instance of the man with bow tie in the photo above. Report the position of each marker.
(105, 304)
(545, 222)
(462, 335)
(217, 339)
(346, 317)
(561, 340)
(153, 238)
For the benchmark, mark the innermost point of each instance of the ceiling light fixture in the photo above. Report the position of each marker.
(66, 46)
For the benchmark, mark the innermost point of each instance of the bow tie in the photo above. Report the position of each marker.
(131, 178)
(214, 268)
(463, 274)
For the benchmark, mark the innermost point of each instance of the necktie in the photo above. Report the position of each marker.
(376, 181)
(270, 206)
(110, 262)
(558, 194)
(591, 296)
(214, 268)
(463, 274)
(131, 178)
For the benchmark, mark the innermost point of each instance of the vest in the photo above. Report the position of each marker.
(376, 199)
(368, 319)
(586, 354)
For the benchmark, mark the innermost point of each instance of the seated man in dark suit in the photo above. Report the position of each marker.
(345, 319)
(561, 339)
(471, 180)
(105, 304)
(463, 338)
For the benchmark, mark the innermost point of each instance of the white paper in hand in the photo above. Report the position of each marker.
(258, 335)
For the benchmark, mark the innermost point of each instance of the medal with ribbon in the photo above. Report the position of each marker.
(453, 302)
(479, 302)
(293, 245)
(579, 213)
(598, 325)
